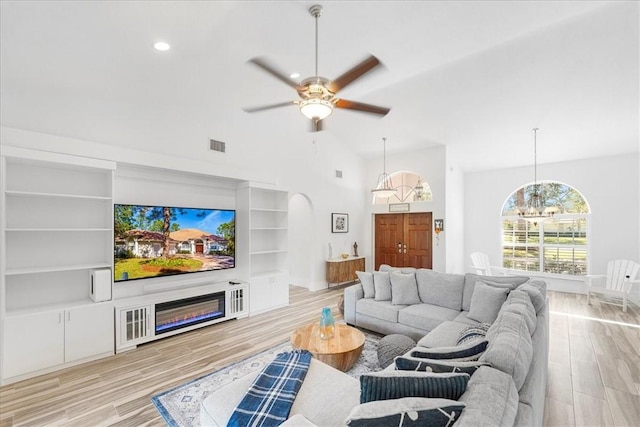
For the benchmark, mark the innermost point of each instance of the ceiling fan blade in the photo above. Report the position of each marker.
(354, 73)
(268, 107)
(263, 63)
(359, 106)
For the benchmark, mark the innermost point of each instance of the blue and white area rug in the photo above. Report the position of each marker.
(180, 406)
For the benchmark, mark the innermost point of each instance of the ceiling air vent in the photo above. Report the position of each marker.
(217, 146)
(338, 174)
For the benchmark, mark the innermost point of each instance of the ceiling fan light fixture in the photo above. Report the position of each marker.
(316, 109)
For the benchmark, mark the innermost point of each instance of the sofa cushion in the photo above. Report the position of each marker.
(298, 420)
(443, 335)
(518, 302)
(444, 290)
(404, 289)
(510, 349)
(320, 385)
(467, 351)
(463, 317)
(425, 316)
(382, 286)
(491, 399)
(366, 279)
(408, 411)
(385, 385)
(470, 280)
(537, 290)
(406, 363)
(382, 310)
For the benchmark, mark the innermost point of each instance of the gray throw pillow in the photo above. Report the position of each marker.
(404, 290)
(366, 279)
(382, 286)
(471, 279)
(414, 411)
(385, 385)
(486, 302)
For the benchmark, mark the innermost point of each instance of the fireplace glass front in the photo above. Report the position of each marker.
(189, 311)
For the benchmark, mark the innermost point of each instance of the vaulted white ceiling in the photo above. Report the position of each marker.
(476, 76)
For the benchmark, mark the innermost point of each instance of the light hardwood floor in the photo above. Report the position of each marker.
(594, 367)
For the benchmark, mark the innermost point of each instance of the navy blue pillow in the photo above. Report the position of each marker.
(406, 412)
(437, 366)
(385, 385)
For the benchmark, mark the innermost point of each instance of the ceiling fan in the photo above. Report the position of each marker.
(318, 94)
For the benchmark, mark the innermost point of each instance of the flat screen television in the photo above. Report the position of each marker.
(155, 241)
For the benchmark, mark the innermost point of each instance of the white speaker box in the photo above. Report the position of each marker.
(100, 285)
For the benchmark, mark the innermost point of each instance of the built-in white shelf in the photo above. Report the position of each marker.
(269, 251)
(55, 268)
(54, 195)
(82, 230)
(57, 225)
(265, 247)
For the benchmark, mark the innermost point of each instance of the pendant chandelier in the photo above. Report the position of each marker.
(384, 188)
(534, 209)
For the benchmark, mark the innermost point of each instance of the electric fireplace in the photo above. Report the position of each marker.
(189, 311)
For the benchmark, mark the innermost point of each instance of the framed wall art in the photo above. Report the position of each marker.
(339, 223)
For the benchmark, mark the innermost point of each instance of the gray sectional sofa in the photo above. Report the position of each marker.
(508, 387)
(515, 377)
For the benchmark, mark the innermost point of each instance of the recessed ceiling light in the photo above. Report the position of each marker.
(294, 75)
(161, 46)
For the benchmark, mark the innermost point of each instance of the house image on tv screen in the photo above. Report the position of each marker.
(183, 247)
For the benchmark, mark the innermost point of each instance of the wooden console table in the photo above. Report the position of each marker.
(344, 270)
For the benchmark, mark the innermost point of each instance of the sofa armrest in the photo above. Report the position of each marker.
(351, 295)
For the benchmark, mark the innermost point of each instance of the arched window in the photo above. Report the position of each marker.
(411, 188)
(556, 245)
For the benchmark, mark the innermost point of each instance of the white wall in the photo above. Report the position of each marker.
(300, 228)
(431, 165)
(610, 185)
(454, 223)
(308, 167)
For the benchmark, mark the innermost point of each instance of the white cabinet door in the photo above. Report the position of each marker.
(280, 289)
(33, 342)
(88, 331)
(268, 292)
(259, 294)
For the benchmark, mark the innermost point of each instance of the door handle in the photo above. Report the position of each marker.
(399, 247)
(405, 248)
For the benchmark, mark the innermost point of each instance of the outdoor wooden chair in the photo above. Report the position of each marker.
(480, 262)
(621, 275)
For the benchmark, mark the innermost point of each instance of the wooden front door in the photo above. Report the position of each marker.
(403, 240)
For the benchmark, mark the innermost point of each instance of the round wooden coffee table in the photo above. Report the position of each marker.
(342, 351)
